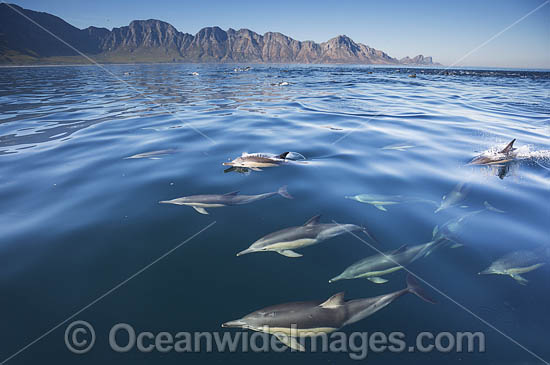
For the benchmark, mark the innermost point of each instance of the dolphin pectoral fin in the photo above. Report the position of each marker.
(290, 342)
(455, 245)
(255, 169)
(380, 207)
(434, 232)
(377, 280)
(488, 206)
(520, 279)
(290, 253)
(200, 210)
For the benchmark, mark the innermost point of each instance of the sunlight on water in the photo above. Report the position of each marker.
(85, 159)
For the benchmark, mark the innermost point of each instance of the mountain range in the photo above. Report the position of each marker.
(23, 42)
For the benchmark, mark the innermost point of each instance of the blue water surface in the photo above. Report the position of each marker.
(77, 218)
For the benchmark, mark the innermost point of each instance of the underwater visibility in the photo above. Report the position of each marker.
(310, 181)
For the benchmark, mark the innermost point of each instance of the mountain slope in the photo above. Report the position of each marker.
(152, 40)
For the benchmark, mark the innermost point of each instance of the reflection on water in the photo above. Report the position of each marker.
(85, 159)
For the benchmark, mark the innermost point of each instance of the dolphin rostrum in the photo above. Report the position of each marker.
(291, 321)
(507, 154)
(380, 201)
(373, 267)
(457, 195)
(519, 262)
(310, 233)
(200, 202)
(256, 161)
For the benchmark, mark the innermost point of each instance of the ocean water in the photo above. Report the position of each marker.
(83, 236)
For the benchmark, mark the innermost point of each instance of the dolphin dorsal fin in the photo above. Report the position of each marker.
(509, 147)
(400, 249)
(313, 220)
(334, 301)
(232, 193)
(282, 156)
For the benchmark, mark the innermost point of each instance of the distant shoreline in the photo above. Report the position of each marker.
(421, 67)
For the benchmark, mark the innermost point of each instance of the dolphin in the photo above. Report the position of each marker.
(256, 161)
(152, 154)
(457, 195)
(310, 233)
(507, 154)
(200, 202)
(291, 321)
(448, 230)
(380, 201)
(519, 262)
(373, 267)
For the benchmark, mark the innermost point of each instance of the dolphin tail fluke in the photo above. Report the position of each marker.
(413, 286)
(283, 191)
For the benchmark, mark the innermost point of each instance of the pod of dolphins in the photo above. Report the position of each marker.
(291, 321)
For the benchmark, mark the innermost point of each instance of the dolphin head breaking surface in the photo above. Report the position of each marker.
(507, 154)
(256, 161)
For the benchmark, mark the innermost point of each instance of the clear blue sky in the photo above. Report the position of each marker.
(446, 30)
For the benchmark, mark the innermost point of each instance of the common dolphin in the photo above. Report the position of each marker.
(519, 262)
(457, 195)
(310, 233)
(291, 321)
(507, 154)
(375, 266)
(448, 230)
(256, 161)
(380, 201)
(200, 202)
(152, 154)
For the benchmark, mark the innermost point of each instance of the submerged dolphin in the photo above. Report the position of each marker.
(291, 321)
(519, 262)
(311, 233)
(256, 161)
(152, 154)
(448, 230)
(457, 195)
(373, 267)
(200, 202)
(380, 201)
(489, 158)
